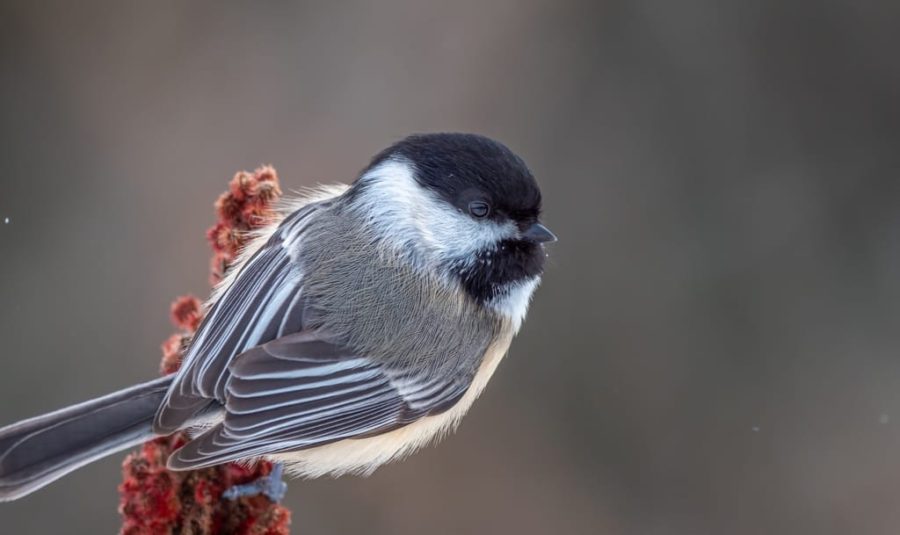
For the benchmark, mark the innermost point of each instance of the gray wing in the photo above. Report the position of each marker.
(301, 391)
(263, 303)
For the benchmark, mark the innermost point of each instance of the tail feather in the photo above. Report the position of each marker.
(40, 450)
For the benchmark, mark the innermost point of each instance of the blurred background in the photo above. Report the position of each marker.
(715, 345)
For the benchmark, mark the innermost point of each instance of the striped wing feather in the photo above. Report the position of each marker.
(299, 392)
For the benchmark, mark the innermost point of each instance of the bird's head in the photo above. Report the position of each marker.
(461, 205)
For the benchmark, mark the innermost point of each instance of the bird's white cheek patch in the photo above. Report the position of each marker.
(409, 216)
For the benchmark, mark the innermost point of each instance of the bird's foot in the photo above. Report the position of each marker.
(272, 486)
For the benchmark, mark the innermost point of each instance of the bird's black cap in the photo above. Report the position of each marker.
(465, 167)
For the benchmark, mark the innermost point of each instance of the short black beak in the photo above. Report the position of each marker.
(539, 234)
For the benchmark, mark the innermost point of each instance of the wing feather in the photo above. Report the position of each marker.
(264, 301)
(301, 391)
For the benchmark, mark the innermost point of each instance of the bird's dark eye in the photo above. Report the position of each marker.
(479, 209)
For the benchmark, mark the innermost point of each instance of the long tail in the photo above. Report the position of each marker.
(38, 451)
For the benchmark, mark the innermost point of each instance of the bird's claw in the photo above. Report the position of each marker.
(271, 486)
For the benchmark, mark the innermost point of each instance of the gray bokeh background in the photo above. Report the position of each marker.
(715, 345)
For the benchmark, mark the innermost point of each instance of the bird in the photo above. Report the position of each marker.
(357, 327)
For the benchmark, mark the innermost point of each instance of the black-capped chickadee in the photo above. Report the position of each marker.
(355, 329)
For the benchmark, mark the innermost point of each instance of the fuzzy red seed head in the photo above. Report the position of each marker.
(173, 351)
(228, 208)
(266, 173)
(225, 238)
(185, 312)
(155, 500)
